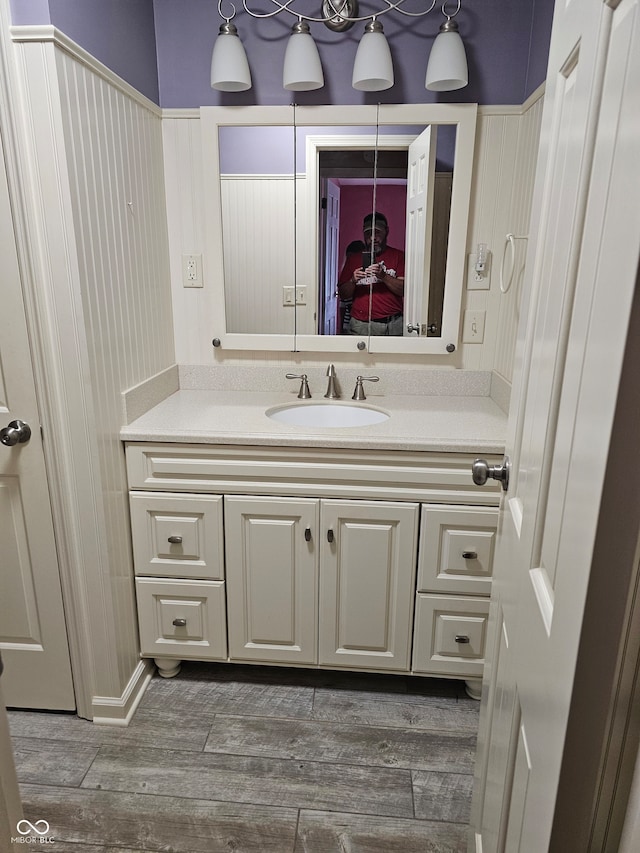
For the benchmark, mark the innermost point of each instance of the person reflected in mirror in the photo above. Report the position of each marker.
(375, 283)
(355, 247)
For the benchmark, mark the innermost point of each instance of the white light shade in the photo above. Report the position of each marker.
(373, 68)
(447, 67)
(302, 68)
(229, 66)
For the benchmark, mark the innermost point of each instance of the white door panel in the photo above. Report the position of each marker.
(419, 225)
(33, 636)
(583, 268)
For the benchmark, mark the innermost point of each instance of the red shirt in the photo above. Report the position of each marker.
(384, 303)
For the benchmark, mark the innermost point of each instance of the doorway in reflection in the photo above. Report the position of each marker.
(347, 186)
(346, 192)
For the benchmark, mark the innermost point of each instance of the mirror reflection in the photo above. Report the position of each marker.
(258, 196)
(324, 181)
(287, 190)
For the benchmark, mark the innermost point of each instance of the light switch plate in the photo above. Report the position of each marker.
(288, 295)
(473, 327)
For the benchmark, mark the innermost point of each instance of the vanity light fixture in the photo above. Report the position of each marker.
(302, 66)
(447, 67)
(373, 67)
(229, 66)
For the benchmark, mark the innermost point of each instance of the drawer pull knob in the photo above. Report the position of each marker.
(470, 555)
(175, 540)
(307, 534)
(329, 535)
(180, 623)
(462, 638)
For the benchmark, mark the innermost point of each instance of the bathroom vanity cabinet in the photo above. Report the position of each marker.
(316, 557)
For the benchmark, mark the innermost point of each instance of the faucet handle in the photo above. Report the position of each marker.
(303, 393)
(331, 370)
(359, 394)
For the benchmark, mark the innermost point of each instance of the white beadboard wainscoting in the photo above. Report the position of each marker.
(504, 167)
(93, 157)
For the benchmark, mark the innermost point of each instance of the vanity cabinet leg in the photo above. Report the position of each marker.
(473, 687)
(167, 667)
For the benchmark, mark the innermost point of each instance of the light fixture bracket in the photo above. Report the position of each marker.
(339, 15)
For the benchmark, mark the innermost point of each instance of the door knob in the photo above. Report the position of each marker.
(481, 471)
(18, 432)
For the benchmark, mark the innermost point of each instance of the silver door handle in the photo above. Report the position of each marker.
(481, 471)
(175, 540)
(18, 432)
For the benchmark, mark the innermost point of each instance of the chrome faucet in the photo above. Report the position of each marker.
(359, 394)
(332, 391)
(303, 393)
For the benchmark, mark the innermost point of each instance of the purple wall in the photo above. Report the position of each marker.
(163, 48)
(119, 33)
(30, 12)
(539, 50)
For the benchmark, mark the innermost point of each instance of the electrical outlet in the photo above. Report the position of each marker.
(192, 270)
(476, 280)
(288, 295)
(473, 327)
(301, 295)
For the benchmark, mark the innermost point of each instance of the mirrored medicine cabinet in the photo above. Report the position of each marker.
(285, 188)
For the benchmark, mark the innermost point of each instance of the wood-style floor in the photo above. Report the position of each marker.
(233, 759)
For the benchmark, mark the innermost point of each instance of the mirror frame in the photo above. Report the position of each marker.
(462, 115)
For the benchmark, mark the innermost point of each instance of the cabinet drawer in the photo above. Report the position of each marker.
(163, 607)
(456, 549)
(450, 635)
(177, 535)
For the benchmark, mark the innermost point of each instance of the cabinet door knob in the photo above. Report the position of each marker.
(329, 535)
(462, 638)
(470, 555)
(307, 534)
(175, 540)
(180, 623)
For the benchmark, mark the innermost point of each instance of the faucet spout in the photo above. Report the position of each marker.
(332, 391)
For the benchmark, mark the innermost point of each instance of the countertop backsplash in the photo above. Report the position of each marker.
(432, 382)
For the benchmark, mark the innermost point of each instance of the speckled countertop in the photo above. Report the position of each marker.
(446, 424)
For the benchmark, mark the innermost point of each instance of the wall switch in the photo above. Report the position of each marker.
(473, 327)
(288, 297)
(301, 295)
(478, 280)
(192, 270)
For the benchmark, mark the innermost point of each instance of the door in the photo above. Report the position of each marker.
(420, 188)
(367, 583)
(271, 577)
(583, 267)
(330, 276)
(33, 637)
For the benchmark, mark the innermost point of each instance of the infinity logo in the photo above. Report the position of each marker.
(33, 827)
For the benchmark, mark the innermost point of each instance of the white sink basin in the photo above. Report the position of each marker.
(327, 415)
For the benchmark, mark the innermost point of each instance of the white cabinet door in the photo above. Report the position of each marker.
(271, 566)
(367, 583)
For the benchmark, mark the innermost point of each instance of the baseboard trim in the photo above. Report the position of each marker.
(110, 711)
